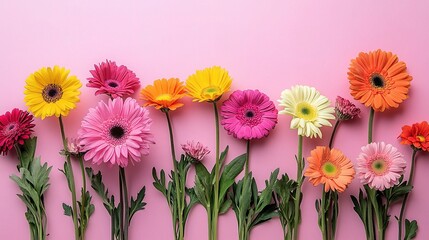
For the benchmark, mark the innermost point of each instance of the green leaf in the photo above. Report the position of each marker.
(411, 229)
(137, 204)
(225, 206)
(98, 186)
(67, 210)
(222, 156)
(229, 173)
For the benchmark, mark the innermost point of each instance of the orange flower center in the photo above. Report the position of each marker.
(379, 166)
(330, 170)
(377, 81)
(421, 138)
(163, 97)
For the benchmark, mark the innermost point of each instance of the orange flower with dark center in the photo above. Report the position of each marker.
(164, 94)
(329, 167)
(416, 136)
(378, 80)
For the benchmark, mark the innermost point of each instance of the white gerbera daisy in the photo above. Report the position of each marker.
(309, 110)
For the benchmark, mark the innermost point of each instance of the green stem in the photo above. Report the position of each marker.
(112, 224)
(179, 197)
(370, 125)
(121, 206)
(331, 141)
(217, 173)
(72, 183)
(299, 178)
(247, 158)
(209, 221)
(370, 219)
(404, 202)
(125, 200)
(322, 216)
(83, 201)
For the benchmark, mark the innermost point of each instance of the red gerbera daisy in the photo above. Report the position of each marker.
(15, 127)
(416, 135)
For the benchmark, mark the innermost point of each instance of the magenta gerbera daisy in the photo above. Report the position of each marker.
(113, 80)
(248, 114)
(116, 132)
(15, 127)
(380, 165)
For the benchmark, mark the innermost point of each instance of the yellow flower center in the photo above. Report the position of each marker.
(379, 166)
(421, 138)
(211, 91)
(306, 111)
(164, 97)
(52, 93)
(330, 170)
(377, 81)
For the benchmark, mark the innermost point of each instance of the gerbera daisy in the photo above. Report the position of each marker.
(416, 135)
(309, 110)
(248, 114)
(196, 151)
(345, 110)
(329, 167)
(15, 127)
(209, 84)
(50, 91)
(164, 94)
(378, 80)
(380, 165)
(116, 132)
(113, 80)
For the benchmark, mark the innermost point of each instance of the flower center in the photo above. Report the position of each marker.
(421, 138)
(329, 169)
(164, 97)
(249, 114)
(10, 129)
(379, 166)
(112, 83)
(377, 81)
(306, 111)
(117, 132)
(211, 91)
(52, 93)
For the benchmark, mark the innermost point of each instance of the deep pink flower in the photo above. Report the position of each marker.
(15, 127)
(345, 110)
(196, 151)
(380, 165)
(116, 132)
(248, 114)
(113, 80)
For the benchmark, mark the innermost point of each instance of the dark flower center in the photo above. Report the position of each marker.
(11, 127)
(112, 83)
(377, 81)
(249, 114)
(305, 111)
(52, 93)
(117, 132)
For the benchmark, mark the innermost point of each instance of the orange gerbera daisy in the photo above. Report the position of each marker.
(416, 135)
(379, 80)
(329, 167)
(164, 94)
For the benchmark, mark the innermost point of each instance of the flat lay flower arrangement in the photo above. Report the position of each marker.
(117, 132)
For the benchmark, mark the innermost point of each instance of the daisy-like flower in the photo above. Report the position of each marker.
(112, 80)
(378, 80)
(329, 167)
(164, 94)
(116, 132)
(51, 91)
(15, 127)
(416, 136)
(209, 84)
(196, 151)
(310, 110)
(380, 165)
(345, 110)
(248, 114)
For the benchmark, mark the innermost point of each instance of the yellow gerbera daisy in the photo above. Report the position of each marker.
(309, 109)
(209, 84)
(164, 94)
(50, 91)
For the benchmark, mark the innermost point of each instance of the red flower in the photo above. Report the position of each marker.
(416, 135)
(15, 127)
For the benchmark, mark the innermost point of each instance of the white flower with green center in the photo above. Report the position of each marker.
(310, 110)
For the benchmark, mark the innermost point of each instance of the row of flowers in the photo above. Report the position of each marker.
(117, 132)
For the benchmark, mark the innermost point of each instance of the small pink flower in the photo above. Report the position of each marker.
(380, 165)
(113, 80)
(345, 110)
(116, 132)
(74, 147)
(248, 114)
(195, 151)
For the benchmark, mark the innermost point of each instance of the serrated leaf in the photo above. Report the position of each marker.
(68, 211)
(137, 204)
(411, 229)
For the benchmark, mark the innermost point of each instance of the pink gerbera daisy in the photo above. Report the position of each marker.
(116, 132)
(380, 165)
(15, 127)
(248, 114)
(113, 80)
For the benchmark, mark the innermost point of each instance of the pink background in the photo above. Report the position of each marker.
(265, 45)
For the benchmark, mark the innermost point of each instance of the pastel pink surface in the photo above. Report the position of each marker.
(268, 46)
